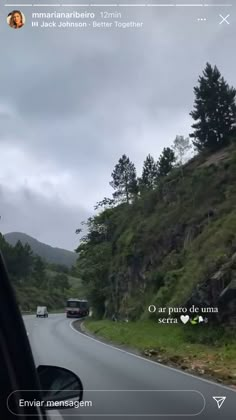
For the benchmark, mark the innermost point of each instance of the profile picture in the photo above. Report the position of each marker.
(16, 19)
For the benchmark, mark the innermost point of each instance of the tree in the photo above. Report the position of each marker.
(106, 203)
(39, 272)
(60, 268)
(93, 269)
(60, 281)
(181, 146)
(214, 111)
(4, 245)
(21, 258)
(124, 180)
(166, 161)
(149, 174)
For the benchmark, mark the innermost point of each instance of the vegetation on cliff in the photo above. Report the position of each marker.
(168, 232)
(35, 281)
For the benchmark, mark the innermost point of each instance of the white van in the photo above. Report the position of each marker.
(42, 312)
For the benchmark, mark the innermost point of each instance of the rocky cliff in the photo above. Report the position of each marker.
(174, 245)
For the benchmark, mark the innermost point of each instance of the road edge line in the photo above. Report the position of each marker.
(151, 361)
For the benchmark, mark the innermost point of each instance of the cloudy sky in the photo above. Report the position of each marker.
(72, 101)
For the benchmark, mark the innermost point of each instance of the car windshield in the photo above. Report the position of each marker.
(73, 304)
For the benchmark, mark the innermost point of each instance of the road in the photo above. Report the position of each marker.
(118, 382)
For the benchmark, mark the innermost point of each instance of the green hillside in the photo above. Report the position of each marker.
(75, 286)
(168, 236)
(164, 245)
(36, 282)
(170, 240)
(173, 247)
(48, 253)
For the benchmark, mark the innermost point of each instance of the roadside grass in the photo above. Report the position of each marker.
(140, 334)
(200, 349)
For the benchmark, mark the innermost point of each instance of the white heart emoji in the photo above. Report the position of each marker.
(184, 319)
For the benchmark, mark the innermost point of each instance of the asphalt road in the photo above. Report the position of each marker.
(118, 384)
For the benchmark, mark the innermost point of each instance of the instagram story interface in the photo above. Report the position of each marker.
(118, 209)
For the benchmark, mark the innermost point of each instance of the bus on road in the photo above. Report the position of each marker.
(77, 308)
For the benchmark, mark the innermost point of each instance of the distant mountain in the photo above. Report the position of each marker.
(47, 252)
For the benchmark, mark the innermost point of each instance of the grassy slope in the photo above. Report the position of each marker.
(179, 261)
(177, 345)
(161, 229)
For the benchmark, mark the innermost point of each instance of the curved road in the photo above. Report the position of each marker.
(121, 385)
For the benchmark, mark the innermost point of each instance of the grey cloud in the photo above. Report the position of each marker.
(50, 221)
(80, 99)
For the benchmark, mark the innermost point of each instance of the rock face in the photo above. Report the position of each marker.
(172, 246)
(227, 303)
(219, 291)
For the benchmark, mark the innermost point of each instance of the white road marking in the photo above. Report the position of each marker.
(155, 363)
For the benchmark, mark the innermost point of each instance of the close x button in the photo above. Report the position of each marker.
(224, 20)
